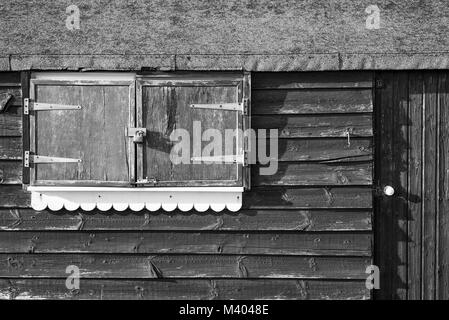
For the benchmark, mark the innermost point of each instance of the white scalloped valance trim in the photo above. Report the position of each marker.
(136, 199)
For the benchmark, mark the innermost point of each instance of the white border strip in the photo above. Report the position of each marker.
(89, 198)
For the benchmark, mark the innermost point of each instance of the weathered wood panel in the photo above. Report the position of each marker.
(189, 289)
(411, 226)
(442, 219)
(393, 166)
(95, 134)
(16, 92)
(415, 145)
(244, 220)
(300, 198)
(10, 79)
(325, 149)
(295, 231)
(10, 148)
(430, 186)
(309, 174)
(10, 172)
(167, 108)
(183, 266)
(316, 126)
(13, 196)
(312, 80)
(11, 122)
(295, 101)
(354, 244)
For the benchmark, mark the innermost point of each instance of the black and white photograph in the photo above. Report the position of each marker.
(239, 151)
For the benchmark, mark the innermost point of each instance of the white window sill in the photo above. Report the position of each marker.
(106, 198)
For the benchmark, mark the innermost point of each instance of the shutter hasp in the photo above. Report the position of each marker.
(137, 134)
(30, 159)
(30, 105)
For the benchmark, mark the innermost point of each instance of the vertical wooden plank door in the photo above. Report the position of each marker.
(411, 227)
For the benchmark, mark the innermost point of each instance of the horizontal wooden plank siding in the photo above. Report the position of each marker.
(304, 232)
(196, 289)
(309, 174)
(325, 149)
(311, 126)
(245, 220)
(11, 148)
(182, 266)
(292, 101)
(11, 122)
(10, 172)
(355, 244)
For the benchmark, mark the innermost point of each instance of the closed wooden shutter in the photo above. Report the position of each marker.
(77, 127)
(178, 102)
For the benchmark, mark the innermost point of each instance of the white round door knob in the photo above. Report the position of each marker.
(388, 191)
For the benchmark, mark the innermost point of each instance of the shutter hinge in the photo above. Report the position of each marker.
(245, 107)
(239, 106)
(26, 106)
(30, 105)
(29, 159)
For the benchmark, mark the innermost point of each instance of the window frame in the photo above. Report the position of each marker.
(106, 195)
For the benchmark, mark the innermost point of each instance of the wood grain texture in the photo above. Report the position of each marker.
(430, 186)
(244, 220)
(385, 236)
(13, 196)
(331, 244)
(415, 190)
(316, 126)
(311, 101)
(304, 198)
(393, 169)
(313, 80)
(16, 93)
(309, 174)
(11, 122)
(183, 266)
(95, 134)
(411, 227)
(10, 148)
(442, 223)
(10, 172)
(189, 289)
(324, 150)
(401, 163)
(168, 108)
(296, 238)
